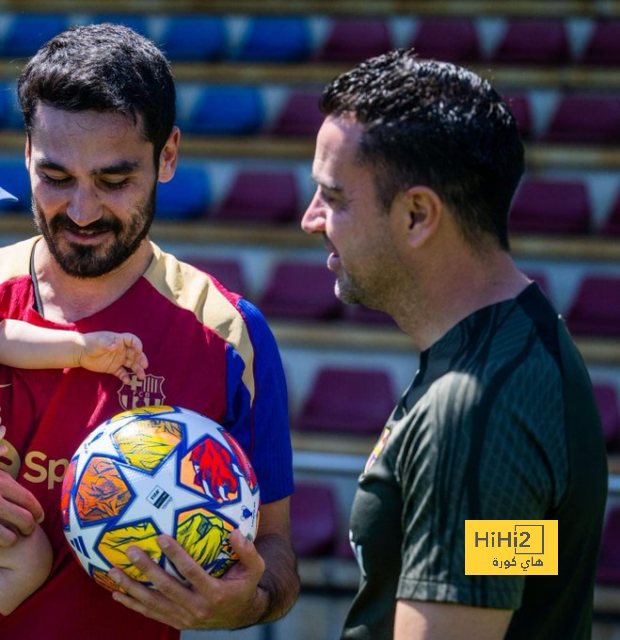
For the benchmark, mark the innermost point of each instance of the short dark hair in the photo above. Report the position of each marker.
(436, 124)
(102, 67)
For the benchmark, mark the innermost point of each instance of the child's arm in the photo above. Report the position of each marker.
(27, 346)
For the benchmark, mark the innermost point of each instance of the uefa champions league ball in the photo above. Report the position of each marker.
(151, 471)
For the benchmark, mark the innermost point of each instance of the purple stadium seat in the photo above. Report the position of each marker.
(302, 291)
(315, 520)
(595, 309)
(551, 206)
(447, 39)
(535, 42)
(608, 571)
(603, 46)
(300, 115)
(262, 197)
(607, 401)
(585, 119)
(353, 40)
(348, 401)
(611, 225)
(521, 110)
(227, 272)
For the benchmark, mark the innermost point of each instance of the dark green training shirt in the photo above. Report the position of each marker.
(499, 423)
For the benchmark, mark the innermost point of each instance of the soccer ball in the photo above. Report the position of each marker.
(151, 471)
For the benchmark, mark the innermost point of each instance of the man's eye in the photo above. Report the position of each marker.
(113, 185)
(55, 181)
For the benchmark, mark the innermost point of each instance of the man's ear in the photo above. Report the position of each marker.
(27, 152)
(169, 156)
(422, 213)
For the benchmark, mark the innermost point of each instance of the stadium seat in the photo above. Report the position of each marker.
(447, 39)
(315, 521)
(603, 46)
(134, 21)
(354, 40)
(611, 224)
(348, 401)
(187, 196)
(608, 571)
(262, 197)
(276, 39)
(16, 180)
(551, 206)
(194, 38)
(227, 110)
(521, 110)
(27, 32)
(532, 41)
(607, 401)
(227, 272)
(595, 309)
(588, 119)
(300, 115)
(300, 290)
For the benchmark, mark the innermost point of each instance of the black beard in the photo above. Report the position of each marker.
(82, 261)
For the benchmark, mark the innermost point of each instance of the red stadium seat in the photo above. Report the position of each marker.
(611, 225)
(521, 110)
(447, 39)
(607, 401)
(302, 291)
(260, 196)
(354, 40)
(608, 571)
(587, 119)
(315, 521)
(595, 309)
(300, 115)
(350, 401)
(551, 206)
(603, 46)
(227, 272)
(535, 42)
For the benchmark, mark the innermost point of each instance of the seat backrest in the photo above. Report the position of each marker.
(344, 400)
(276, 39)
(595, 308)
(27, 32)
(187, 196)
(300, 290)
(603, 45)
(300, 115)
(533, 41)
(588, 119)
(551, 206)
(260, 196)
(15, 180)
(198, 38)
(607, 401)
(355, 39)
(452, 39)
(315, 519)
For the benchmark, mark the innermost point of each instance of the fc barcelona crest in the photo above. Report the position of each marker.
(142, 393)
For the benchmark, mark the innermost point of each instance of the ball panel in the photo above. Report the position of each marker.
(102, 492)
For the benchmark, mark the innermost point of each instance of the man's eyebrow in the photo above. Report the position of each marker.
(326, 185)
(124, 167)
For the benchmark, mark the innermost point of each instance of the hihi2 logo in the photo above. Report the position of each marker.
(509, 547)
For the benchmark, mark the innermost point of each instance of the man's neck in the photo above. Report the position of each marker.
(64, 298)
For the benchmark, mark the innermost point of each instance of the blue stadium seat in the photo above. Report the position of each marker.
(16, 180)
(187, 196)
(136, 22)
(276, 39)
(194, 38)
(10, 115)
(227, 110)
(26, 33)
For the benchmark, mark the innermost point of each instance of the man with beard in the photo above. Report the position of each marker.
(99, 109)
(416, 164)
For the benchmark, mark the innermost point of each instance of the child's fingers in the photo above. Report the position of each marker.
(2, 431)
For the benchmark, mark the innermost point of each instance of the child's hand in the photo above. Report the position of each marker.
(115, 353)
(3, 448)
